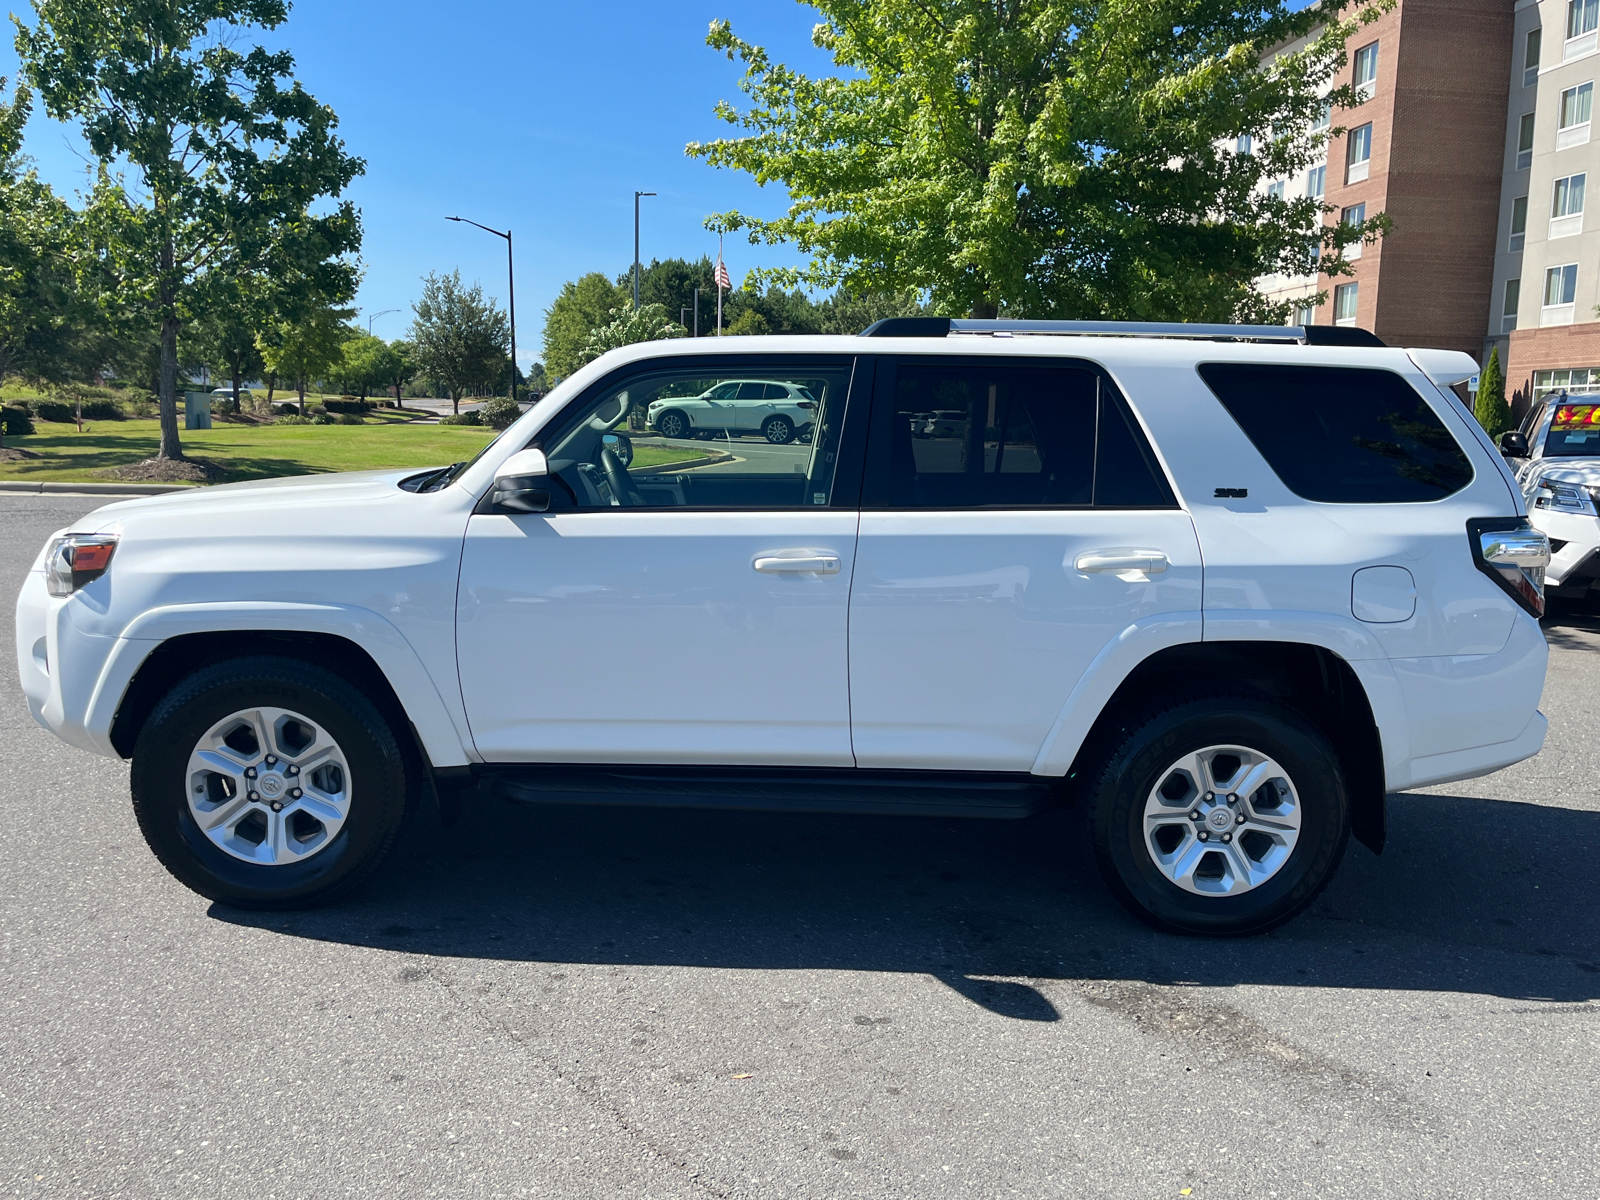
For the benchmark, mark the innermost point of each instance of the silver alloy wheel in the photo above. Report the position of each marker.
(1222, 820)
(268, 786)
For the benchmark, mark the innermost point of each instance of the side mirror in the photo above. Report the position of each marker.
(1514, 444)
(522, 484)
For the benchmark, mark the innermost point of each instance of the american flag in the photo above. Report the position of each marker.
(721, 275)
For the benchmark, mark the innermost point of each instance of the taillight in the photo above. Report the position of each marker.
(1514, 554)
(77, 559)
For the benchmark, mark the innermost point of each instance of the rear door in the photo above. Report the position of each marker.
(1014, 523)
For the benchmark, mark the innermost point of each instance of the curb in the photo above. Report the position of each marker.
(688, 464)
(94, 489)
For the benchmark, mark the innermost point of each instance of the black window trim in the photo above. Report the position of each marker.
(1106, 391)
(847, 468)
(1444, 424)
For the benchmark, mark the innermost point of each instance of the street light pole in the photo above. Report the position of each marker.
(697, 312)
(511, 281)
(636, 196)
(376, 315)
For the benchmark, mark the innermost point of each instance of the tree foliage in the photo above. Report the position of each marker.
(460, 339)
(1052, 158)
(1490, 406)
(648, 323)
(226, 147)
(308, 349)
(580, 307)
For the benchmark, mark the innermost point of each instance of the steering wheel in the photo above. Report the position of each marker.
(622, 485)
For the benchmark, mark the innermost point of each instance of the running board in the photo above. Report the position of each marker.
(781, 789)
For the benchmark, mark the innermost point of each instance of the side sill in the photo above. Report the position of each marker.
(777, 789)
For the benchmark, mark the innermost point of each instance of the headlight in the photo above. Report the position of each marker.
(77, 559)
(1562, 497)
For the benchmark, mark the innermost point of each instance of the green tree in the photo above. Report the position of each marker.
(581, 307)
(846, 313)
(363, 363)
(460, 339)
(397, 366)
(1052, 158)
(307, 349)
(1490, 407)
(225, 145)
(223, 334)
(648, 324)
(41, 317)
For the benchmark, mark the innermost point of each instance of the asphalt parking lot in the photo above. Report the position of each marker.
(620, 1003)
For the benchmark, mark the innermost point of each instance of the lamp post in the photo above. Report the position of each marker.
(383, 313)
(636, 196)
(511, 280)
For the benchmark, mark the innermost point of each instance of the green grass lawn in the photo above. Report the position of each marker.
(244, 451)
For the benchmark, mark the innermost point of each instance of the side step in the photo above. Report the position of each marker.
(779, 789)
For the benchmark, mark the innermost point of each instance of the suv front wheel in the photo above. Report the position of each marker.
(1221, 815)
(269, 783)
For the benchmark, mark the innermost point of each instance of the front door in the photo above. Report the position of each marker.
(695, 615)
(1014, 523)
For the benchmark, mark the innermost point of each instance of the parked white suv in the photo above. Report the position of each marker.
(776, 409)
(1556, 455)
(1223, 586)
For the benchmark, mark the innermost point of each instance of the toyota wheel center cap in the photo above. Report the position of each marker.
(270, 785)
(1218, 818)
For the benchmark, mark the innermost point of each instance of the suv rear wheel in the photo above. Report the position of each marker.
(778, 430)
(1223, 815)
(269, 783)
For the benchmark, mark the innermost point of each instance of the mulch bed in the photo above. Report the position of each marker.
(12, 454)
(165, 470)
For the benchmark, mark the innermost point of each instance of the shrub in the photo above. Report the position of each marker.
(52, 410)
(15, 422)
(288, 410)
(344, 418)
(103, 410)
(347, 404)
(499, 412)
(466, 418)
(292, 419)
(321, 418)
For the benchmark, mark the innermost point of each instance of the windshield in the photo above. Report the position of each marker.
(1574, 432)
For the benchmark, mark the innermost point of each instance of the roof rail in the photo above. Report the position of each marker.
(938, 327)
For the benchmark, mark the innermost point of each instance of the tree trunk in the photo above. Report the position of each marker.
(455, 402)
(171, 447)
(300, 390)
(237, 384)
(398, 403)
(272, 386)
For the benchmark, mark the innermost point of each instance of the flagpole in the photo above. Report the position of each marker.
(722, 272)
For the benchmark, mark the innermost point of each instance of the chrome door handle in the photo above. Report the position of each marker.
(822, 564)
(1151, 562)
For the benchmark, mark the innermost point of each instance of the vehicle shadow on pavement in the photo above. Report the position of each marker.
(1471, 895)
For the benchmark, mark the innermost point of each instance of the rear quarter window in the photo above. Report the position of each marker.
(1342, 435)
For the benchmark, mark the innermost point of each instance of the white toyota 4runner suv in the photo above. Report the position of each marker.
(1223, 586)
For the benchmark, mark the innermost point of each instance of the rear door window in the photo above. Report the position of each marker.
(1342, 435)
(1003, 433)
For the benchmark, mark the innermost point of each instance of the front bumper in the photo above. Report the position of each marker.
(61, 667)
(1577, 562)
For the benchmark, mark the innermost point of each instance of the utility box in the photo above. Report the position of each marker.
(197, 410)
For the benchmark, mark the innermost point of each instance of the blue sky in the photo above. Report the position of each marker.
(542, 116)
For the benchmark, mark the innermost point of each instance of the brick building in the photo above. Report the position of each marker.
(1415, 148)
(1542, 311)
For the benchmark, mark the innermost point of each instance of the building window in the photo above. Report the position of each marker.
(1582, 18)
(1572, 123)
(1358, 152)
(1344, 304)
(1566, 206)
(1519, 223)
(1530, 60)
(1560, 290)
(1508, 314)
(1525, 142)
(1324, 117)
(1316, 182)
(1366, 76)
(1275, 189)
(1582, 380)
(1306, 314)
(1246, 145)
(1353, 215)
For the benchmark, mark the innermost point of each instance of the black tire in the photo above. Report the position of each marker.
(382, 786)
(778, 430)
(672, 419)
(1136, 767)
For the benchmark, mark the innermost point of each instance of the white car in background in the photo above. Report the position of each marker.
(775, 409)
(1556, 454)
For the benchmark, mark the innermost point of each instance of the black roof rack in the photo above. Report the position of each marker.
(938, 327)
